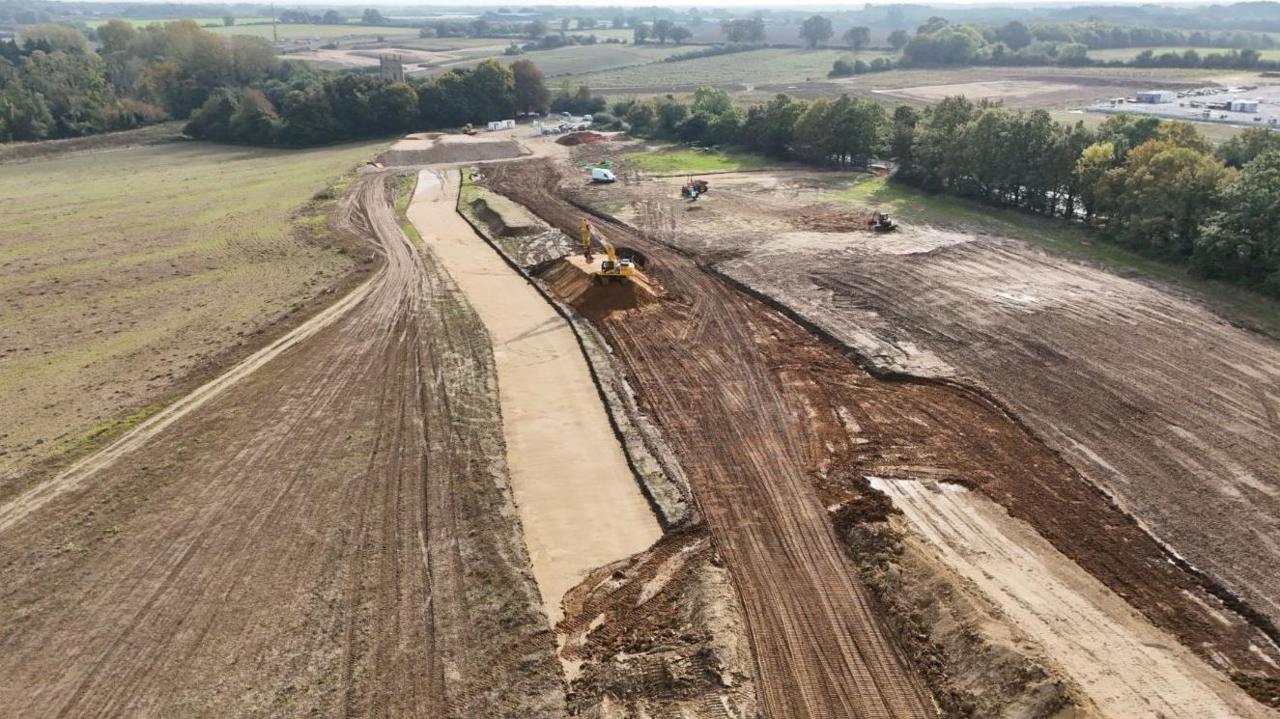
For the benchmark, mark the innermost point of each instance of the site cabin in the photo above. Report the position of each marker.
(502, 125)
(1243, 105)
(1155, 97)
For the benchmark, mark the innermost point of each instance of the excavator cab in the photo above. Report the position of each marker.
(611, 268)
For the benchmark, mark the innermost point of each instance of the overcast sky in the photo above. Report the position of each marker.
(686, 4)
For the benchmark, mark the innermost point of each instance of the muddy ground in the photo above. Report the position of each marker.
(1076, 361)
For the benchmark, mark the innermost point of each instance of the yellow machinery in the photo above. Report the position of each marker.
(612, 268)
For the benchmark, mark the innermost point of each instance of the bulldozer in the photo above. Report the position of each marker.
(612, 269)
(881, 222)
(693, 189)
(467, 129)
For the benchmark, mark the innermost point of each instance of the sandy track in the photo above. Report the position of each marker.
(819, 647)
(332, 535)
(579, 504)
(1124, 665)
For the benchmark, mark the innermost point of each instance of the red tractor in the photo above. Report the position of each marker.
(881, 222)
(693, 189)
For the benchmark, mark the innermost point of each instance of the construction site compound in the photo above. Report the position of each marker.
(586, 441)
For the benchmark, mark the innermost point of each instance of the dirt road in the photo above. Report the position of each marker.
(820, 649)
(579, 504)
(333, 535)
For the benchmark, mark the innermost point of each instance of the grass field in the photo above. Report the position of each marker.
(581, 59)
(674, 160)
(304, 32)
(1216, 132)
(126, 273)
(769, 66)
(140, 22)
(1068, 240)
(1128, 53)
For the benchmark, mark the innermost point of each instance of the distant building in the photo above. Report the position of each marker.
(1243, 105)
(1155, 97)
(391, 67)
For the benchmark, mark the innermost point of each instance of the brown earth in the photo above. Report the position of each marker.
(698, 358)
(1129, 386)
(334, 535)
(431, 149)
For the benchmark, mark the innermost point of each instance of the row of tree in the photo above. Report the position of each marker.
(1151, 185)
(1154, 186)
(938, 42)
(53, 85)
(322, 108)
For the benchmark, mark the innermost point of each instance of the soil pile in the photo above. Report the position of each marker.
(581, 138)
(571, 280)
(826, 219)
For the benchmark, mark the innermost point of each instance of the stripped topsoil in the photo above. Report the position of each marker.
(856, 424)
(703, 363)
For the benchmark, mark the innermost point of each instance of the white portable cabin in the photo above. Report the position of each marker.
(1155, 97)
(1243, 106)
(502, 125)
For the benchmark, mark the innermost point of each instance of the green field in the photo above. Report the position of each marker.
(140, 22)
(127, 273)
(773, 65)
(1215, 132)
(306, 32)
(1128, 53)
(672, 160)
(1066, 239)
(579, 59)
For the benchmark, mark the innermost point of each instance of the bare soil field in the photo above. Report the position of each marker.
(333, 535)
(1020, 92)
(1126, 385)
(1029, 87)
(805, 421)
(117, 295)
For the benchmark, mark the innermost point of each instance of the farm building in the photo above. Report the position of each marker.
(1243, 105)
(1155, 97)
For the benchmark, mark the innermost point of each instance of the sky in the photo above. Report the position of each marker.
(686, 4)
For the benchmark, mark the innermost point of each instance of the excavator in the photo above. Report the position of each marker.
(611, 269)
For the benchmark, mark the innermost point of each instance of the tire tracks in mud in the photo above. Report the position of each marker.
(324, 529)
(820, 648)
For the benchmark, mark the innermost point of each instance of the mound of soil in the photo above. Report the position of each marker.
(826, 219)
(571, 281)
(581, 138)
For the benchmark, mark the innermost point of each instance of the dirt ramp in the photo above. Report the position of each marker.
(571, 281)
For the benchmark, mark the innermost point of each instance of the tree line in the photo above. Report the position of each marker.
(54, 85)
(1154, 186)
(319, 108)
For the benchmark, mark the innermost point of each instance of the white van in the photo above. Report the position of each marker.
(599, 174)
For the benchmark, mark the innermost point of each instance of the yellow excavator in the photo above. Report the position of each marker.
(611, 269)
